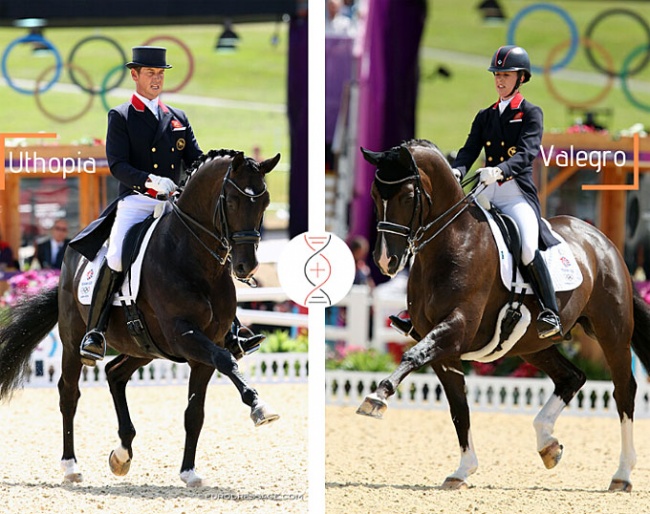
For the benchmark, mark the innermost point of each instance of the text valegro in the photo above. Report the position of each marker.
(592, 159)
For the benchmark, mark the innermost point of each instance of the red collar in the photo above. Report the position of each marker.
(139, 105)
(515, 103)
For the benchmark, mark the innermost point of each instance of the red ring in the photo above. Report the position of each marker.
(188, 52)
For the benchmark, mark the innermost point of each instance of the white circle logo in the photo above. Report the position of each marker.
(316, 269)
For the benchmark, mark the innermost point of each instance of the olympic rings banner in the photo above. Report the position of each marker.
(569, 48)
(80, 77)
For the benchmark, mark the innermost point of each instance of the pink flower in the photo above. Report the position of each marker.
(29, 283)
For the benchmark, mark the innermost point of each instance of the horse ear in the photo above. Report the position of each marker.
(406, 159)
(237, 160)
(268, 165)
(372, 157)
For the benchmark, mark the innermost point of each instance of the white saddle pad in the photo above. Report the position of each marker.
(131, 285)
(561, 263)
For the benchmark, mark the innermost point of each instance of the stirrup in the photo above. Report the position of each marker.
(92, 350)
(548, 324)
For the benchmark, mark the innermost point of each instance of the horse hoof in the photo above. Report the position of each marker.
(262, 414)
(551, 454)
(73, 478)
(191, 478)
(118, 467)
(373, 406)
(454, 484)
(618, 485)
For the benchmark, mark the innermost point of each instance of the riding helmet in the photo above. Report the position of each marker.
(511, 58)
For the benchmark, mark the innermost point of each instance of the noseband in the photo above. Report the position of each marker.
(415, 235)
(221, 232)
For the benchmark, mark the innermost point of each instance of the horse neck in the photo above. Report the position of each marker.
(444, 191)
(201, 193)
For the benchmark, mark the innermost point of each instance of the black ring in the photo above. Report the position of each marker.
(591, 28)
(74, 50)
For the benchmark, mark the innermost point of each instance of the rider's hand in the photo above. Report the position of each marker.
(490, 175)
(456, 173)
(161, 185)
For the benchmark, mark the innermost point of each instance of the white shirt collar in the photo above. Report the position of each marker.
(151, 104)
(504, 103)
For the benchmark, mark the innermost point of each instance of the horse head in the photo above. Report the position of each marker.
(226, 197)
(403, 195)
(245, 199)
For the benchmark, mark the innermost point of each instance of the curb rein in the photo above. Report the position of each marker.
(222, 233)
(414, 236)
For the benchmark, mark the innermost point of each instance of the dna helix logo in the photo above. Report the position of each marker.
(316, 269)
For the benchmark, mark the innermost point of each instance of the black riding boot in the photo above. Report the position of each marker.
(93, 345)
(403, 326)
(548, 321)
(240, 346)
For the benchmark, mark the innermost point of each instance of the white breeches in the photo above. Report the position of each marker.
(509, 198)
(130, 210)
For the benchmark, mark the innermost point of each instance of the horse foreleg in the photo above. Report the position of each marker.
(438, 345)
(452, 380)
(568, 380)
(194, 416)
(199, 348)
(118, 373)
(68, 400)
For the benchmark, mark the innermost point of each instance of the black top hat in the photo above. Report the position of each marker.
(149, 57)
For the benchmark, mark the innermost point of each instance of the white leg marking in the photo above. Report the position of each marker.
(628, 455)
(71, 471)
(545, 421)
(121, 453)
(191, 478)
(468, 461)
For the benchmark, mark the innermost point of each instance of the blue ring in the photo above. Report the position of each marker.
(32, 38)
(575, 37)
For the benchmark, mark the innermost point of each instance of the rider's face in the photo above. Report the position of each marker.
(148, 81)
(505, 82)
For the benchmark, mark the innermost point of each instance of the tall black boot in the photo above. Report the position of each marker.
(93, 345)
(548, 321)
(240, 346)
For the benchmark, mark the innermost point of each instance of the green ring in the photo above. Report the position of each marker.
(103, 90)
(625, 72)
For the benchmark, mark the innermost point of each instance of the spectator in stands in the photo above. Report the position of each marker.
(336, 23)
(360, 247)
(49, 253)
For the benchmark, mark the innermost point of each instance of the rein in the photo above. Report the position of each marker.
(414, 236)
(221, 233)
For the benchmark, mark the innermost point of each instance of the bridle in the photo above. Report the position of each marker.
(415, 235)
(220, 230)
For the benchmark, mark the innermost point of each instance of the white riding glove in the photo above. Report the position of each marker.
(490, 175)
(456, 173)
(161, 185)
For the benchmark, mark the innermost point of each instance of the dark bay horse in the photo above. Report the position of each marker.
(454, 295)
(187, 298)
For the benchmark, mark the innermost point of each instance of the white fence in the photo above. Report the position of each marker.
(257, 368)
(494, 394)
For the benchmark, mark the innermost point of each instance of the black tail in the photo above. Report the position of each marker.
(641, 334)
(27, 324)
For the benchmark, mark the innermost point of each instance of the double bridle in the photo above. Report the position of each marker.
(221, 233)
(415, 235)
